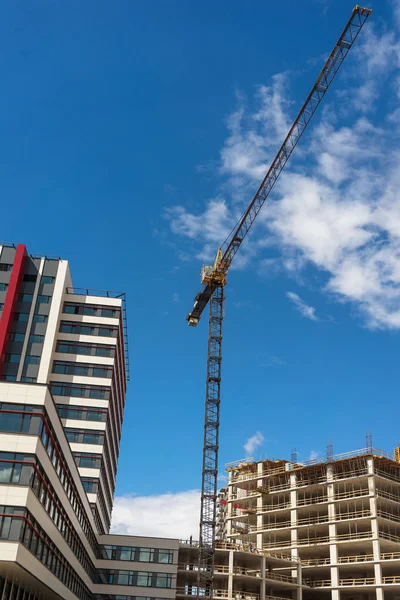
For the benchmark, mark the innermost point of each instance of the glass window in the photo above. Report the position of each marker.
(22, 317)
(78, 370)
(165, 556)
(93, 438)
(5, 472)
(163, 580)
(57, 390)
(101, 372)
(99, 394)
(31, 359)
(104, 351)
(69, 309)
(105, 331)
(145, 554)
(96, 415)
(47, 279)
(10, 421)
(109, 313)
(39, 318)
(25, 297)
(3, 287)
(61, 347)
(30, 277)
(107, 552)
(36, 339)
(4, 267)
(122, 578)
(9, 377)
(28, 379)
(13, 358)
(41, 299)
(125, 553)
(17, 337)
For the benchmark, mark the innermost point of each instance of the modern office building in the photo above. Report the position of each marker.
(63, 376)
(340, 516)
(72, 341)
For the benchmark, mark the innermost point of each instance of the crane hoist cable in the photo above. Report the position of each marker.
(214, 279)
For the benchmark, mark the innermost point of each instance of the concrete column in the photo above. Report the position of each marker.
(333, 549)
(299, 595)
(262, 582)
(376, 549)
(230, 574)
(229, 507)
(380, 594)
(293, 519)
(260, 502)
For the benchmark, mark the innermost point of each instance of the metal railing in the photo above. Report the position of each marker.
(387, 515)
(320, 460)
(357, 581)
(390, 556)
(192, 591)
(387, 495)
(387, 475)
(345, 495)
(357, 558)
(391, 579)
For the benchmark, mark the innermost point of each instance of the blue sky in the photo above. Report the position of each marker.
(133, 135)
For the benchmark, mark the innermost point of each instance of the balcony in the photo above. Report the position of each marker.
(351, 494)
(387, 495)
(387, 515)
(188, 591)
(342, 560)
(357, 558)
(351, 473)
(357, 581)
(387, 475)
(390, 556)
(391, 579)
(312, 500)
(318, 520)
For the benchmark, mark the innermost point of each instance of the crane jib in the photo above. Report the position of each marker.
(214, 278)
(307, 111)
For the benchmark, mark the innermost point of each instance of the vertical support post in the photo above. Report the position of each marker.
(210, 448)
(299, 594)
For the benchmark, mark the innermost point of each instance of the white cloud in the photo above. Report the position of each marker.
(304, 309)
(313, 455)
(273, 361)
(337, 207)
(254, 442)
(175, 298)
(174, 515)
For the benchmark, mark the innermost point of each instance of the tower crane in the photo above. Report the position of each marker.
(214, 279)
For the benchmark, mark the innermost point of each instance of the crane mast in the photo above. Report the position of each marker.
(214, 280)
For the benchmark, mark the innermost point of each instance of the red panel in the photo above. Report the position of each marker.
(11, 300)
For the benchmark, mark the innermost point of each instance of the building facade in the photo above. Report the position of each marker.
(339, 516)
(241, 572)
(63, 377)
(72, 341)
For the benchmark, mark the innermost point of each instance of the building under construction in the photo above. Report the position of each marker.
(339, 516)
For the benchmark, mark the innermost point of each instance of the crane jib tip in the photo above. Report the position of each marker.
(362, 9)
